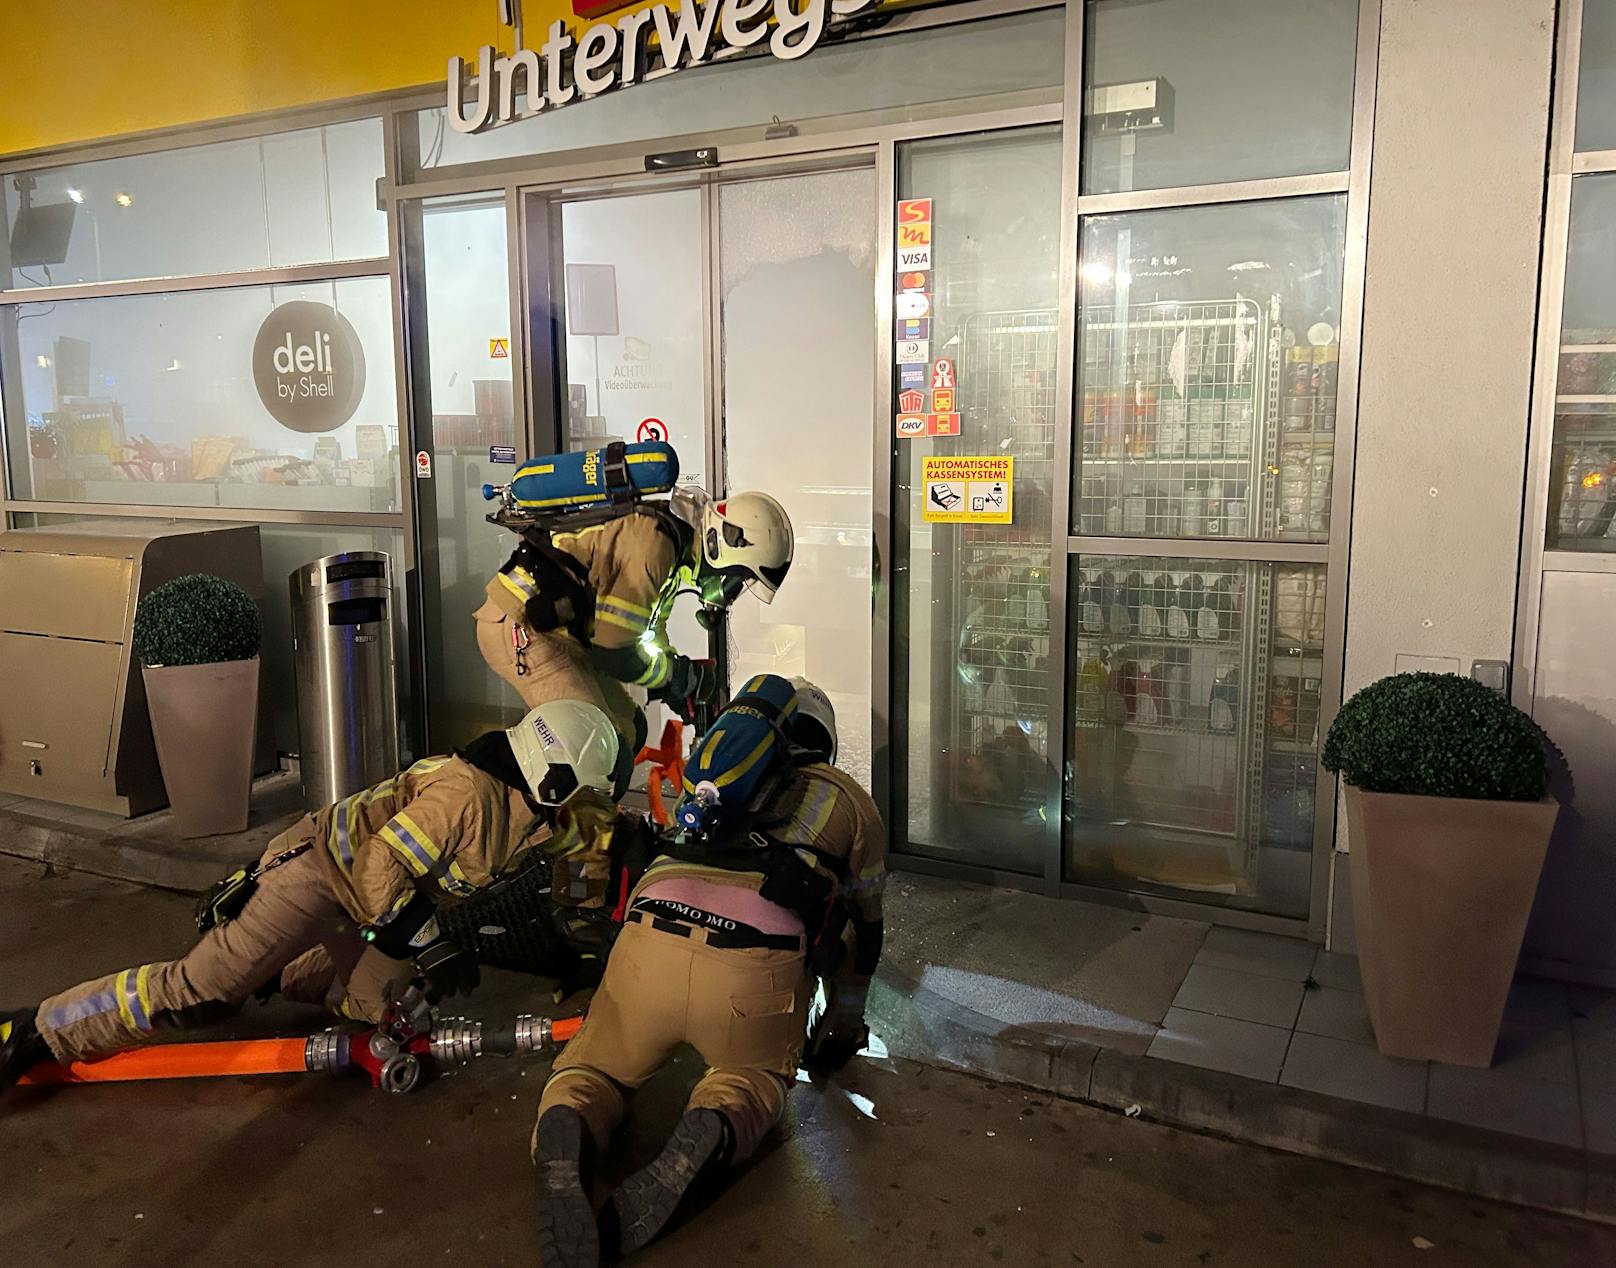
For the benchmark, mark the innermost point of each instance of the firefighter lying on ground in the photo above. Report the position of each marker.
(340, 909)
(583, 613)
(705, 959)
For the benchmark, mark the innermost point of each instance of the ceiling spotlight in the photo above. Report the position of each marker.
(124, 200)
(77, 195)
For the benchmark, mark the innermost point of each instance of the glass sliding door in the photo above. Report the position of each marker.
(797, 272)
(468, 411)
(971, 664)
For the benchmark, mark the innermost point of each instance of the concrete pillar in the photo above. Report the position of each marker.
(1455, 227)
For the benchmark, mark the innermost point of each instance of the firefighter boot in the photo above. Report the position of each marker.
(568, 1236)
(21, 1047)
(699, 1149)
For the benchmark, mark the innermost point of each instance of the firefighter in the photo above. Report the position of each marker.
(583, 614)
(704, 959)
(343, 902)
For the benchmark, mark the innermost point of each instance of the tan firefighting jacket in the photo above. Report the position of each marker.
(635, 573)
(442, 824)
(826, 809)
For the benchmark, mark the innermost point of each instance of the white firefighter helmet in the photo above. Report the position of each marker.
(814, 727)
(564, 747)
(747, 538)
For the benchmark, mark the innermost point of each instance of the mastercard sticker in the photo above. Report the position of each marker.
(914, 282)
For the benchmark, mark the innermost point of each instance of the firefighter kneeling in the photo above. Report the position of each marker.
(723, 938)
(343, 901)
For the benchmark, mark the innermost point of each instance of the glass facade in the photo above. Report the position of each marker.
(1181, 92)
(293, 198)
(971, 602)
(157, 400)
(1118, 686)
(1209, 342)
(1193, 701)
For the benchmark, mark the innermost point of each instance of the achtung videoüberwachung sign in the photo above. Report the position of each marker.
(615, 54)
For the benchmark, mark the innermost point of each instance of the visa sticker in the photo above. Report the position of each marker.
(914, 257)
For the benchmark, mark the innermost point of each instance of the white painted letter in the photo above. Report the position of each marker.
(632, 26)
(688, 41)
(458, 119)
(736, 14)
(557, 44)
(811, 22)
(526, 60)
(596, 49)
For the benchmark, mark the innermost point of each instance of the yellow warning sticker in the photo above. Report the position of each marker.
(499, 349)
(966, 490)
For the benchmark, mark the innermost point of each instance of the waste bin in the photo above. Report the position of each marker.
(342, 647)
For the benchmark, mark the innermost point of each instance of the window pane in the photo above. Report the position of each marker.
(1190, 93)
(467, 303)
(158, 399)
(972, 610)
(1582, 488)
(1193, 721)
(1596, 82)
(304, 197)
(1209, 342)
(905, 74)
(813, 238)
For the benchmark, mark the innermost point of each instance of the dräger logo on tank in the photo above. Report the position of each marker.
(308, 366)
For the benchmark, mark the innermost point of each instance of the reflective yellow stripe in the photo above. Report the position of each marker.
(814, 811)
(618, 601)
(423, 767)
(752, 759)
(611, 618)
(134, 1000)
(518, 584)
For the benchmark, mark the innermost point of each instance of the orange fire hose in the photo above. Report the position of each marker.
(181, 1061)
(220, 1059)
(562, 1029)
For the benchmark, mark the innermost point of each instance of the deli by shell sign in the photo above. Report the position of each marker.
(644, 44)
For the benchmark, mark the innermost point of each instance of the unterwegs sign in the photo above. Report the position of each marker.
(614, 54)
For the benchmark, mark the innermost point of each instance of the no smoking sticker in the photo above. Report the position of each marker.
(423, 465)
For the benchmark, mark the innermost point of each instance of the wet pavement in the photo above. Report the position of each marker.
(899, 1164)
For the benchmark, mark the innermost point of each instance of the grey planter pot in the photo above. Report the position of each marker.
(205, 721)
(1441, 889)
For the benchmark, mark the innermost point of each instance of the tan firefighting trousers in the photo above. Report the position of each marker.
(745, 1012)
(554, 667)
(293, 926)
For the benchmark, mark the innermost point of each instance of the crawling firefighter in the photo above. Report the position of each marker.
(775, 881)
(340, 910)
(580, 609)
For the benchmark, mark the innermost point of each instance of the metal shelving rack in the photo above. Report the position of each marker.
(1182, 407)
(998, 577)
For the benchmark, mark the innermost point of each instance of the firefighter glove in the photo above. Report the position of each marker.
(447, 969)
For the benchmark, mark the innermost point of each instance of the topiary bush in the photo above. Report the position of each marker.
(196, 620)
(1437, 735)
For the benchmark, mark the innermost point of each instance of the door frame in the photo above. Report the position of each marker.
(542, 291)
